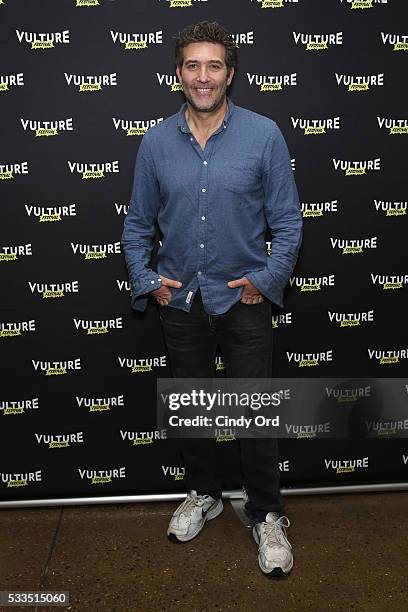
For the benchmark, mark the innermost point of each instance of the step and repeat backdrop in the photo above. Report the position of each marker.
(81, 81)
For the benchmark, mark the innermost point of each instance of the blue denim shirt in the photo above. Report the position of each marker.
(212, 208)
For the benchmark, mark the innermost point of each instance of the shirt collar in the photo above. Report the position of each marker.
(183, 125)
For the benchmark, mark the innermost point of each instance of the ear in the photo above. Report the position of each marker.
(231, 74)
(178, 73)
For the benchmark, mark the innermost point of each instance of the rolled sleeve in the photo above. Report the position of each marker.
(140, 228)
(282, 212)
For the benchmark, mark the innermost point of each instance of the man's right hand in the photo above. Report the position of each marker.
(163, 295)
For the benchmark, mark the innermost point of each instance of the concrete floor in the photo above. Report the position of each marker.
(350, 551)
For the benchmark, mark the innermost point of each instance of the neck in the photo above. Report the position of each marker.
(205, 122)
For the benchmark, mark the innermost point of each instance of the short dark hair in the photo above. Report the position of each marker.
(207, 31)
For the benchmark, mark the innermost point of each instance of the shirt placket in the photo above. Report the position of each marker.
(203, 207)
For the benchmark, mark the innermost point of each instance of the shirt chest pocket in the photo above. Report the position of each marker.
(242, 179)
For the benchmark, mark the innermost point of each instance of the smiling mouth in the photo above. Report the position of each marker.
(204, 90)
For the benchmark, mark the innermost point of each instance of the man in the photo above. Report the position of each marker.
(212, 177)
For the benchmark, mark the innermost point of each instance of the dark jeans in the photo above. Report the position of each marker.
(244, 334)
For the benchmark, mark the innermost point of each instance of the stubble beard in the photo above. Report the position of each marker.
(208, 109)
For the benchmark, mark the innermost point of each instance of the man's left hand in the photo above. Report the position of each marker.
(251, 295)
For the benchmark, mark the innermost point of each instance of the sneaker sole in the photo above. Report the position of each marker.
(277, 572)
(211, 514)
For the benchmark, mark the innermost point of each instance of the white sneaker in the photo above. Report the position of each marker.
(275, 556)
(189, 518)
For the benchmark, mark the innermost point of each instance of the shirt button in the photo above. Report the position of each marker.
(192, 139)
(201, 246)
(203, 190)
(202, 218)
(199, 273)
(152, 282)
(205, 163)
(225, 127)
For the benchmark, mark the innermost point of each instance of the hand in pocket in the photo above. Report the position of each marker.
(163, 294)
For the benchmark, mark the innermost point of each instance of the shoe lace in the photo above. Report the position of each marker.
(192, 500)
(275, 532)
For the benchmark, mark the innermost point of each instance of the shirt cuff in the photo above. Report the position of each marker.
(139, 303)
(140, 290)
(264, 282)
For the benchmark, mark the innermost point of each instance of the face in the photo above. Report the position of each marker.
(204, 76)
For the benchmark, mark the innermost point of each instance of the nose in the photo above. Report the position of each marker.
(203, 75)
